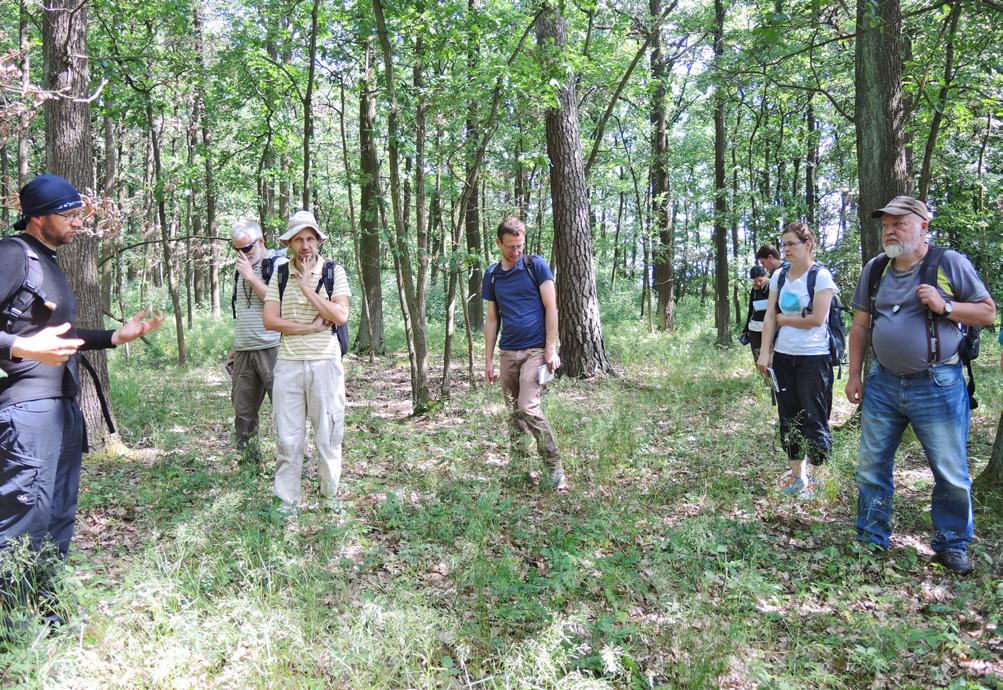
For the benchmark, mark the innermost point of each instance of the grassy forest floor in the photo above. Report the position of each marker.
(671, 562)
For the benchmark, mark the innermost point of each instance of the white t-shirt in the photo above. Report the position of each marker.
(792, 299)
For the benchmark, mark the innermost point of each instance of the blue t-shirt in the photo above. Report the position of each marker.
(517, 298)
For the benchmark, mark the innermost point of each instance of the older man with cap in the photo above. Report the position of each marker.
(41, 427)
(254, 347)
(309, 379)
(914, 324)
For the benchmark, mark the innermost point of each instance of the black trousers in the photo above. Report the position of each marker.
(804, 403)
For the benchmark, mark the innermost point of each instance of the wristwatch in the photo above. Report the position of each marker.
(948, 308)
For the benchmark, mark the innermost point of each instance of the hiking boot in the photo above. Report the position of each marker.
(558, 482)
(955, 561)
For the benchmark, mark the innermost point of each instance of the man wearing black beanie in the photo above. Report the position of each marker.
(42, 437)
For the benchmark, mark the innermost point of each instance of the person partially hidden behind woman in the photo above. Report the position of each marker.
(800, 297)
(758, 300)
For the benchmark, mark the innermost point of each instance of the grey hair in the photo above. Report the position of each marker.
(246, 228)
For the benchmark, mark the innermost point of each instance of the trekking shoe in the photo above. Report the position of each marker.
(955, 561)
(794, 488)
(810, 490)
(558, 482)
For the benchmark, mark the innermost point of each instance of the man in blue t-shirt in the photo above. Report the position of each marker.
(520, 296)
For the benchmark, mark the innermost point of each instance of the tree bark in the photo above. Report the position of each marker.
(991, 478)
(721, 310)
(472, 222)
(940, 105)
(308, 103)
(880, 115)
(664, 258)
(68, 153)
(24, 130)
(370, 335)
(583, 351)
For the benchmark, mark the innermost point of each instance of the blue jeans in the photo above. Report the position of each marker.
(936, 404)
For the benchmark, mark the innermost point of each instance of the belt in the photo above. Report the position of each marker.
(950, 362)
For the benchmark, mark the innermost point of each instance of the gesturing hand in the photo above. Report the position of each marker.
(306, 273)
(47, 346)
(136, 327)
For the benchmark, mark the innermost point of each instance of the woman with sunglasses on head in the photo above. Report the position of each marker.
(796, 347)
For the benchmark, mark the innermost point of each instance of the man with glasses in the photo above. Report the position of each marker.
(254, 347)
(916, 376)
(42, 437)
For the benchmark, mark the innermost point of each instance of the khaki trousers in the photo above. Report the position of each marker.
(519, 374)
(252, 379)
(313, 389)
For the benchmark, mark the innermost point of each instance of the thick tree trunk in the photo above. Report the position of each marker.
(68, 153)
(583, 352)
(721, 311)
(880, 115)
(370, 335)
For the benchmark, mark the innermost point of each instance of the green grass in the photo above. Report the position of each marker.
(672, 562)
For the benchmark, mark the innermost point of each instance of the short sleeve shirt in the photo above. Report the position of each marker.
(517, 298)
(899, 327)
(249, 332)
(792, 299)
(296, 307)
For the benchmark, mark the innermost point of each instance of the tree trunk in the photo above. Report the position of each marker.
(472, 223)
(663, 254)
(583, 352)
(414, 320)
(308, 103)
(811, 163)
(721, 310)
(68, 153)
(938, 113)
(991, 478)
(879, 119)
(24, 130)
(370, 335)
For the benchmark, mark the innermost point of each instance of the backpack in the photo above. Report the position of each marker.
(971, 342)
(835, 325)
(267, 269)
(327, 280)
(30, 290)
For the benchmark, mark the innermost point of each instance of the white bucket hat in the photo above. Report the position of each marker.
(299, 221)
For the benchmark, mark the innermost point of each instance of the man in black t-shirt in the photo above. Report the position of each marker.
(41, 426)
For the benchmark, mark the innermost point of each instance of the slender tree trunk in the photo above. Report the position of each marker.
(414, 320)
(938, 113)
(308, 104)
(879, 120)
(370, 336)
(721, 311)
(811, 163)
(473, 219)
(68, 153)
(583, 351)
(4, 188)
(663, 255)
(24, 129)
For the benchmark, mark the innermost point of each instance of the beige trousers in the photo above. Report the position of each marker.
(313, 389)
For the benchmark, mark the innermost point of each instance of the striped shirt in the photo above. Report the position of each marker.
(249, 332)
(296, 307)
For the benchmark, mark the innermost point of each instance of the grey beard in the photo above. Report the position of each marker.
(894, 251)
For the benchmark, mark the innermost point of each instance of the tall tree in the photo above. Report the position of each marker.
(475, 307)
(68, 153)
(721, 309)
(879, 119)
(583, 352)
(663, 255)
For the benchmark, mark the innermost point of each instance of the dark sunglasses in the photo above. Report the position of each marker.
(247, 249)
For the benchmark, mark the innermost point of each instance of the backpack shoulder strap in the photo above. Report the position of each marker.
(233, 298)
(812, 277)
(30, 290)
(878, 269)
(267, 268)
(492, 271)
(781, 279)
(327, 277)
(531, 268)
(928, 275)
(283, 271)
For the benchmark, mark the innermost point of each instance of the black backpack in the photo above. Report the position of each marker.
(834, 324)
(971, 342)
(267, 268)
(30, 290)
(327, 280)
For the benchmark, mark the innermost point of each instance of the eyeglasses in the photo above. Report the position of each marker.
(246, 249)
(71, 216)
(788, 245)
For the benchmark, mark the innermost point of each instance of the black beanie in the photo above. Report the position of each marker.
(45, 195)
